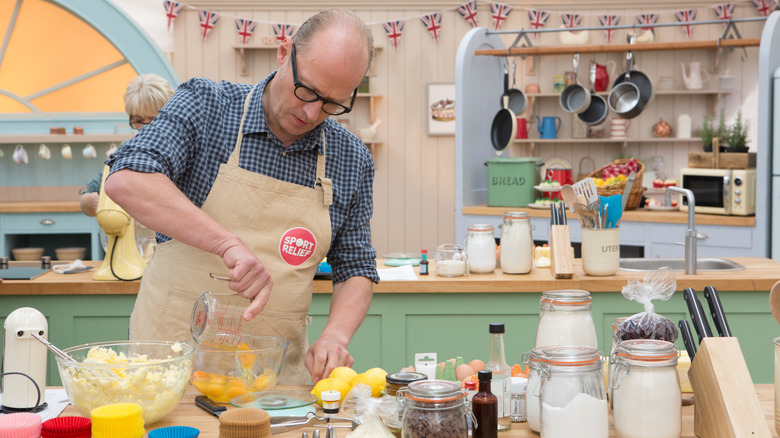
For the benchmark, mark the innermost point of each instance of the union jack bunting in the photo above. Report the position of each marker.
(571, 20)
(468, 11)
(537, 19)
(765, 7)
(393, 29)
(207, 22)
(609, 20)
(724, 11)
(172, 10)
(686, 16)
(432, 23)
(646, 19)
(499, 13)
(245, 29)
(282, 31)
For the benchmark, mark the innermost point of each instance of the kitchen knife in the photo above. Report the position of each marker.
(697, 314)
(687, 338)
(209, 406)
(716, 310)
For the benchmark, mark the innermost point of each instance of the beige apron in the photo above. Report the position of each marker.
(286, 225)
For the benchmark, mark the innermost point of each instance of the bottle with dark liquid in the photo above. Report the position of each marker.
(424, 263)
(484, 405)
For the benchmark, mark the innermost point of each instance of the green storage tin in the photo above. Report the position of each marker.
(511, 181)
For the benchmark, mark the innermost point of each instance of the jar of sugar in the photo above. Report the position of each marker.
(517, 244)
(573, 398)
(646, 390)
(566, 318)
(481, 248)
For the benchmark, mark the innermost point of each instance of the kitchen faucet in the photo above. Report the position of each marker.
(690, 233)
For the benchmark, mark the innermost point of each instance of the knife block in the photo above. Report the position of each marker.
(726, 400)
(560, 252)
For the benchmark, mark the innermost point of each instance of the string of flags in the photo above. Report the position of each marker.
(499, 13)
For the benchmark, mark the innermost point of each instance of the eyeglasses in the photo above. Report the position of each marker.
(306, 94)
(138, 124)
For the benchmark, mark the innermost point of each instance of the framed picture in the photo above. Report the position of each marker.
(441, 109)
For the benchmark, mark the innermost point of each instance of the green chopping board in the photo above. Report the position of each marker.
(21, 273)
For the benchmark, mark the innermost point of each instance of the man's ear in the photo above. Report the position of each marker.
(283, 52)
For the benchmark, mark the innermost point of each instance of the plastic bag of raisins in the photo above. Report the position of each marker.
(657, 285)
(359, 405)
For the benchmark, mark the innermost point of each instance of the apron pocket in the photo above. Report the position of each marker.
(176, 315)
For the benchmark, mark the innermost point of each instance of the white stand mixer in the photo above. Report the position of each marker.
(22, 353)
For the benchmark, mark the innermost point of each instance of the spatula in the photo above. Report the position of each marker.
(587, 188)
(615, 210)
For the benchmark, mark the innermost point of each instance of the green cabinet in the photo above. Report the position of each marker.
(50, 230)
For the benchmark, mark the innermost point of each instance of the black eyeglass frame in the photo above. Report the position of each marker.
(299, 85)
(137, 122)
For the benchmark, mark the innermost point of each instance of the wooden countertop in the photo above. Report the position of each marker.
(186, 413)
(760, 275)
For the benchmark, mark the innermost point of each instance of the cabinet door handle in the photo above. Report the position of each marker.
(47, 222)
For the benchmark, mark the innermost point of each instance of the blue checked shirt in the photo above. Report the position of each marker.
(197, 129)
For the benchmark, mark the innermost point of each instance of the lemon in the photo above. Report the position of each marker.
(345, 374)
(378, 372)
(330, 384)
(373, 381)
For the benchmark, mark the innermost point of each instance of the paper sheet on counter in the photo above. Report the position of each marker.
(56, 402)
(401, 273)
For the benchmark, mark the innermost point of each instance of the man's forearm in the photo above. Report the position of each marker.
(348, 307)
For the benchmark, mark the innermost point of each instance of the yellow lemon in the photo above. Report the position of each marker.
(330, 384)
(378, 372)
(376, 383)
(345, 374)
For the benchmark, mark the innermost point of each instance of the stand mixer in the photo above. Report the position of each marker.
(123, 260)
(22, 354)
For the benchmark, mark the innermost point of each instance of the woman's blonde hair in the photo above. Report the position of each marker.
(146, 94)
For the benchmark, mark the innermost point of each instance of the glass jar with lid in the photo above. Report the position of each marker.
(646, 390)
(481, 248)
(611, 358)
(566, 318)
(517, 244)
(534, 361)
(434, 408)
(573, 397)
(394, 409)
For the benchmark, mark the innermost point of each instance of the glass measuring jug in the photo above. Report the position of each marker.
(217, 319)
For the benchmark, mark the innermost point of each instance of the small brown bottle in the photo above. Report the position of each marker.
(424, 263)
(484, 405)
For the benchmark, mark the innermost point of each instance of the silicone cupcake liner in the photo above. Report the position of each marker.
(119, 420)
(175, 432)
(245, 423)
(67, 427)
(20, 425)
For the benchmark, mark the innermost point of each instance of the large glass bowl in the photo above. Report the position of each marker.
(153, 374)
(222, 373)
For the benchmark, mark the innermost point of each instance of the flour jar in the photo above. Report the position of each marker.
(573, 398)
(565, 318)
(481, 248)
(517, 244)
(533, 390)
(646, 390)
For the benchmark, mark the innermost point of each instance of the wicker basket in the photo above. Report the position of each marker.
(635, 197)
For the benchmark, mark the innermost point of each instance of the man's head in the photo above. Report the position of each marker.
(319, 71)
(144, 97)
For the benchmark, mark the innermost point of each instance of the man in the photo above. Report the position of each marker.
(260, 182)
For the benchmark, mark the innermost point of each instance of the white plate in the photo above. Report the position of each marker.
(554, 163)
(662, 208)
(545, 188)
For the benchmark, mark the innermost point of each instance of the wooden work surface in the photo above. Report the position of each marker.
(760, 274)
(39, 206)
(187, 414)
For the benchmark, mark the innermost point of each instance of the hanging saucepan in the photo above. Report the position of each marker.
(597, 110)
(517, 100)
(625, 97)
(504, 127)
(575, 98)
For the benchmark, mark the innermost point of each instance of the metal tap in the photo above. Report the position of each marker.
(690, 234)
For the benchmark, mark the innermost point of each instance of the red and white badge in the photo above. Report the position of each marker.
(297, 246)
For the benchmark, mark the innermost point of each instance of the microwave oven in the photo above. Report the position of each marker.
(720, 191)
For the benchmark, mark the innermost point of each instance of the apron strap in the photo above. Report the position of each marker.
(237, 149)
(326, 183)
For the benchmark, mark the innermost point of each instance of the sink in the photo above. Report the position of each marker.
(679, 264)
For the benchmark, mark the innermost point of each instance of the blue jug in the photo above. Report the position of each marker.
(548, 128)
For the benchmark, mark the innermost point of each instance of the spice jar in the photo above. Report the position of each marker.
(481, 248)
(394, 409)
(565, 318)
(533, 389)
(434, 408)
(517, 244)
(573, 397)
(646, 390)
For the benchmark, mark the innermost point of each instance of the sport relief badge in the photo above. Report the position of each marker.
(297, 245)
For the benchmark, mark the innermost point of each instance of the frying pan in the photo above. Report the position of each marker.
(597, 110)
(516, 98)
(625, 97)
(504, 126)
(575, 98)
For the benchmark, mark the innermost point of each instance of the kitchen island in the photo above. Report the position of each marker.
(449, 316)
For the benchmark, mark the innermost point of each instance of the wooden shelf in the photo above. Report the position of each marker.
(241, 51)
(64, 138)
(609, 140)
(616, 48)
(655, 92)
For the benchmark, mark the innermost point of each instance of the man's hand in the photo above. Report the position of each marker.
(324, 356)
(248, 276)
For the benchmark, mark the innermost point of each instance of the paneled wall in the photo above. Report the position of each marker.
(414, 185)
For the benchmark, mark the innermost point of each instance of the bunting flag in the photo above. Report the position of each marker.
(172, 10)
(537, 19)
(245, 29)
(609, 20)
(647, 19)
(765, 7)
(724, 11)
(686, 16)
(393, 29)
(468, 11)
(207, 22)
(571, 21)
(499, 12)
(283, 31)
(432, 23)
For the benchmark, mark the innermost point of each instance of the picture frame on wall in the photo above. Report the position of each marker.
(441, 109)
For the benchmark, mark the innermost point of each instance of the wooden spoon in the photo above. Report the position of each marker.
(774, 301)
(569, 196)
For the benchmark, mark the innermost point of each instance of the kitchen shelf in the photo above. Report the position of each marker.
(608, 140)
(675, 92)
(242, 49)
(64, 138)
(617, 48)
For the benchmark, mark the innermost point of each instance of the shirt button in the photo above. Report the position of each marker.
(284, 153)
